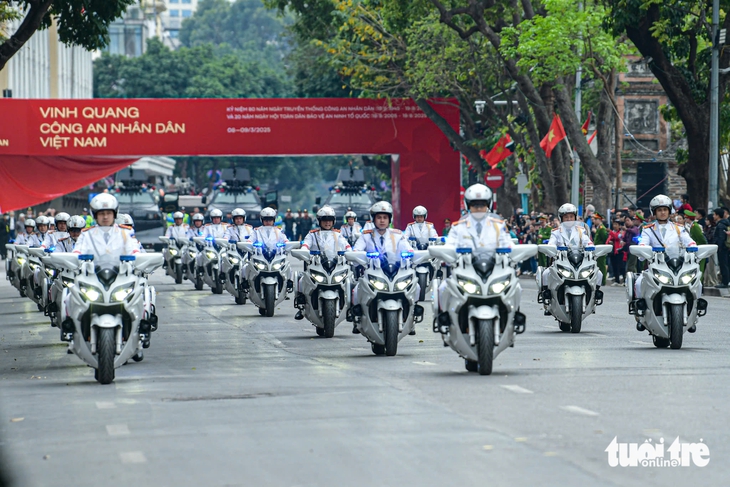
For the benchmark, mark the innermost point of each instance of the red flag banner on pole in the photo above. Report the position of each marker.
(590, 139)
(554, 135)
(501, 151)
(584, 128)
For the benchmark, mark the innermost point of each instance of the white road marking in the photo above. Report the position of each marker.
(593, 333)
(579, 410)
(424, 363)
(517, 389)
(639, 343)
(105, 405)
(117, 429)
(132, 457)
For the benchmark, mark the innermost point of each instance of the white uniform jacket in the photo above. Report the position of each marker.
(215, 231)
(392, 241)
(107, 244)
(240, 233)
(668, 235)
(422, 231)
(178, 232)
(269, 236)
(494, 234)
(324, 240)
(578, 236)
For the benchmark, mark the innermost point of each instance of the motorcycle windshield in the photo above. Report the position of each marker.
(674, 257)
(575, 257)
(329, 260)
(390, 264)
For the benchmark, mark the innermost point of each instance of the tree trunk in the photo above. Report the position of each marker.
(507, 197)
(697, 175)
(31, 23)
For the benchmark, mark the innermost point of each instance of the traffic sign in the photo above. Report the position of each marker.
(494, 178)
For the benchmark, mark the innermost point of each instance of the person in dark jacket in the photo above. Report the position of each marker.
(719, 239)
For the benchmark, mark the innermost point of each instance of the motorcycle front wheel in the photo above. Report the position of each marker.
(178, 273)
(199, 280)
(269, 299)
(329, 316)
(576, 313)
(218, 288)
(391, 332)
(422, 282)
(676, 326)
(105, 352)
(485, 352)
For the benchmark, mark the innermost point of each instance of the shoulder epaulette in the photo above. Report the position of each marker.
(207, 225)
(126, 227)
(457, 222)
(315, 230)
(395, 230)
(410, 224)
(368, 232)
(87, 228)
(62, 239)
(498, 220)
(647, 225)
(335, 230)
(429, 223)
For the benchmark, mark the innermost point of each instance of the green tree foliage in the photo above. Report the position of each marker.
(676, 36)
(79, 22)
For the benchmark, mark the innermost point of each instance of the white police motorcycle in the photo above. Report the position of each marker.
(670, 302)
(481, 302)
(569, 288)
(13, 263)
(386, 309)
(109, 309)
(326, 288)
(267, 273)
(425, 270)
(173, 254)
(209, 257)
(232, 264)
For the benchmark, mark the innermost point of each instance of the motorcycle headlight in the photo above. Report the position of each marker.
(32, 266)
(259, 265)
(565, 271)
(192, 254)
(499, 286)
(90, 293)
(663, 277)
(277, 265)
(50, 272)
(339, 277)
(173, 251)
(69, 283)
(211, 255)
(318, 276)
(403, 283)
(233, 260)
(586, 273)
(378, 283)
(687, 277)
(20, 260)
(469, 286)
(122, 292)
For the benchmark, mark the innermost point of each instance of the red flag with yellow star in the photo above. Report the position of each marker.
(501, 151)
(554, 135)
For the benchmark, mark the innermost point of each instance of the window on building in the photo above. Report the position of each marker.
(187, 1)
(187, 13)
(174, 1)
(174, 13)
(174, 34)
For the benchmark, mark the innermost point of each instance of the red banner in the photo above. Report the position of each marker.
(428, 167)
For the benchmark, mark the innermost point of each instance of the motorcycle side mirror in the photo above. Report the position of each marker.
(301, 254)
(548, 250)
(522, 252)
(705, 251)
(358, 257)
(419, 256)
(442, 253)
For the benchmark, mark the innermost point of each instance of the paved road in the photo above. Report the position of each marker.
(227, 398)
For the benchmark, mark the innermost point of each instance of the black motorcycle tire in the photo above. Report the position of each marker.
(241, 297)
(676, 326)
(178, 274)
(198, 281)
(329, 316)
(485, 342)
(391, 332)
(576, 313)
(422, 282)
(105, 353)
(218, 288)
(269, 299)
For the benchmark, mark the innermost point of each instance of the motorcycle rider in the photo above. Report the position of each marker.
(42, 223)
(240, 230)
(661, 233)
(270, 235)
(325, 238)
(28, 238)
(381, 239)
(76, 224)
(197, 229)
(482, 231)
(215, 229)
(352, 229)
(52, 238)
(106, 241)
(420, 228)
(178, 230)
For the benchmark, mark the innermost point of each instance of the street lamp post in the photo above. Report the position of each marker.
(714, 102)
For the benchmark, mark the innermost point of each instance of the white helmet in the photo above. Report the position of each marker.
(351, 214)
(239, 212)
(42, 220)
(567, 208)
(62, 217)
(125, 219)
(660, 200)
(29, 222)
(268, 213)
(178, 214)
(478, 192)
(198, 216)
(326, 212)
(104, 201)
(216, 213)
(420, 211)
(77, 222)
(382, 207)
